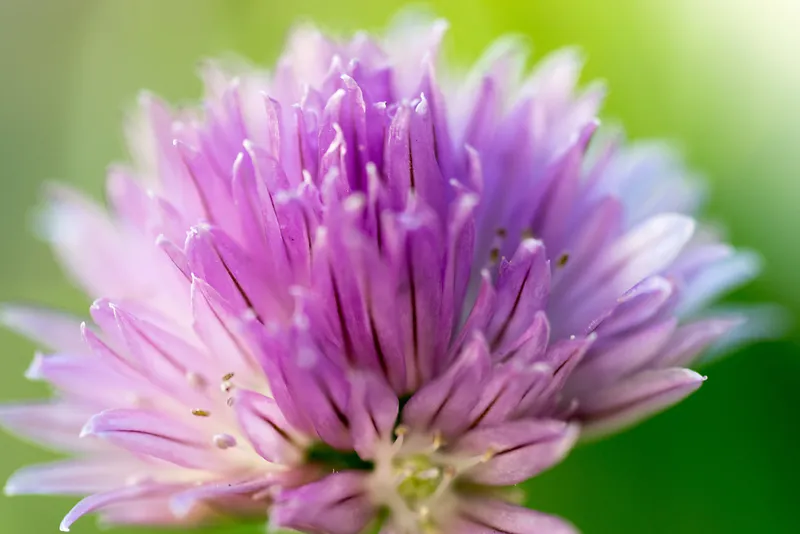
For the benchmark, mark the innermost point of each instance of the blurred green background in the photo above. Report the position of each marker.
(721, 77)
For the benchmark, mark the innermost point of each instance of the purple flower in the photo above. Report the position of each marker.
(340, 296)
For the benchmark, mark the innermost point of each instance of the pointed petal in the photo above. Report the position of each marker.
(182, 504)
(337, 504)
(516, 451)
(55, 424)
(690, 340)
(445, 403)
(153, 434)
(73, 477)
(611, 360)
(99, 501)
(266, 428)
(485, 516)
(523, 286)
(54, 330)
(640, 396)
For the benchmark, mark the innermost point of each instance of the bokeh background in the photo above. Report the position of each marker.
(721, 77)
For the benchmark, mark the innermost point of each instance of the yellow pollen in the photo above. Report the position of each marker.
(201, 413)
(438, 441)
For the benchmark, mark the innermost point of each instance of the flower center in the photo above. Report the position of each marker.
(419, 478)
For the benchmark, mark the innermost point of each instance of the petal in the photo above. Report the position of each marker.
(486, 516)
(560, 361)
(611, 360)
(265, 426)
(223, 333)
(336, 504)
(445, 404)
(530, 346)
(217, 259)
(689, 341)
(373, 412)
(74, 477)
(718, 278)
(416, 246)
(316, 388)
(99, 501)
(636, 306)
(643, 251)
(54, 330)
(523, 286)
(634, 399)
(516, 451)
(109, 260)
(55, 424)
(154, 434)
(182, 504)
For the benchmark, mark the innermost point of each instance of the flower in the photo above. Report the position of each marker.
(342, 296)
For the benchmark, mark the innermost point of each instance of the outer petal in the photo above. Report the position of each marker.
(516, 451)
(445, 404)
(73, 477)
(634, 399)
(336, 504)
(55, 424)
(267, 428)
(154, 434)
(478, 516)
(54, 330)
(373, 411)
(523, 286)
(99, 501)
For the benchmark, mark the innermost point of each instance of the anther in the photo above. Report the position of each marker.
(227, 377)
(563, 259)
(224, 441)
(438, 441)
(201, 413)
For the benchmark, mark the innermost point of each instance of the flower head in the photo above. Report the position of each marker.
(340, 296)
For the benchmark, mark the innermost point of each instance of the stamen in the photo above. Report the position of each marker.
(224, 441)
(201, 413)
(563, 259)
(400, 432)
(438, 441)
(227, 377)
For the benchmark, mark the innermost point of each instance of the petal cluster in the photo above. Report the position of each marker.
(343, 294)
